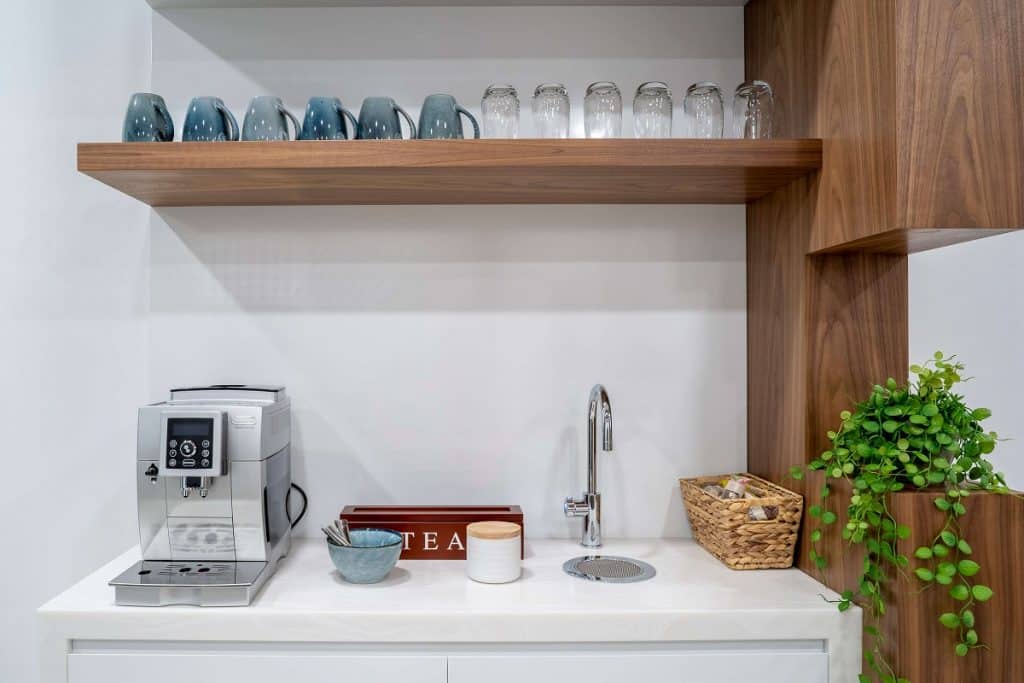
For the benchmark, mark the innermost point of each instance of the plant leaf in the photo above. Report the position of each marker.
(967, 567)
(923, 553)
(924, 574)
(981, 593)
(949, 620)
(959, 592)
(948, 538)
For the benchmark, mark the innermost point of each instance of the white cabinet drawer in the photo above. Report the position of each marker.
(252, 668)
(688, 667)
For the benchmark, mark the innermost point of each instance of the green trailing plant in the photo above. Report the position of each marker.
(921, 436)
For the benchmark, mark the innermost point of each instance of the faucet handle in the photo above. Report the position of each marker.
(576, 507)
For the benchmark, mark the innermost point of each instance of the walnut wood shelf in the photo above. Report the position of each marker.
(621, 171)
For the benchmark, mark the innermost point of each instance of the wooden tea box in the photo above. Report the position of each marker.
(431, 532)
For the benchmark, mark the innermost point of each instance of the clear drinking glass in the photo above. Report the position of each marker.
(652, 111)
(551, 111)
(500, 108)
(602, 110)
(704, 110)
(753, 107)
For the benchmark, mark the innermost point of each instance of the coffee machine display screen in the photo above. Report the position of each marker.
(189, 443)
(184, 428)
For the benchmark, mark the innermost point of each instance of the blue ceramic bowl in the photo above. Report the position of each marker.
(372, 555)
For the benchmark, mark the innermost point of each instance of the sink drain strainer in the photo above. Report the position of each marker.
(609, 568)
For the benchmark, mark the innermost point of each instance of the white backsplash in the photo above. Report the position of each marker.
(443, 354)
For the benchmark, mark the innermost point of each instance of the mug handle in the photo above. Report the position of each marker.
(229, 119)
(167, 134)
(408, 119)
(295, 122)
(472, 119)
(355, 124)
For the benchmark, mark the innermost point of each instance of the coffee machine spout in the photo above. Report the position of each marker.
(189, 484)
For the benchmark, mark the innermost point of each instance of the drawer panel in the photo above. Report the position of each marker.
(688, 667)
(253, 668)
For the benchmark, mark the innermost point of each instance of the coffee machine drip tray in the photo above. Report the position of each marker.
(152, 583)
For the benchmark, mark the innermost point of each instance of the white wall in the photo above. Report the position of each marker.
(73, 262)
(444, 354)
(966, 299)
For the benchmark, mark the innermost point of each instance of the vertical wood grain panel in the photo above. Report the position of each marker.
(961, 115)
(857, 333)
(776, 351)
(924, 654)
(832, 66)
(920, 105)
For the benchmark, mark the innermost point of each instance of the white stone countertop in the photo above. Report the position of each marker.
(692, 598)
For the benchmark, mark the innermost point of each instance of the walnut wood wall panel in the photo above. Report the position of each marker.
(909, 163)
(993, 524)
(961, 113)
(832, 66)
(919, 104)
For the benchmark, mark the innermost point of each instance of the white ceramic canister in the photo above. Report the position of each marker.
(493, 551)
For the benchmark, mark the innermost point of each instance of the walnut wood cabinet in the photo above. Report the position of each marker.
(919, 105)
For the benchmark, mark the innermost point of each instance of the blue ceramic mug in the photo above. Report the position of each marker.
(267, 119)
(209, 120)
(439, 119)
(378, 120)
(325, 120)
(147, 119)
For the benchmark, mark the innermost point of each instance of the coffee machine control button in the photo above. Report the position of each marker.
(188, 462)
(206, 443)
(205, 453)
(205, 463)
(172, 462)
(173, 444)
(188, 448)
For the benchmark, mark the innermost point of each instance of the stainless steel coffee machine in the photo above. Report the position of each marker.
(214, 477)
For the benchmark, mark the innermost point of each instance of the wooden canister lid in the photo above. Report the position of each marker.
(493, 530)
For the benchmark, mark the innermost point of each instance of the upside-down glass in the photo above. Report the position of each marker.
(753, 107)
(652, 111)
(704, 111)
(602, 110)
(551, 111)
(500, 108)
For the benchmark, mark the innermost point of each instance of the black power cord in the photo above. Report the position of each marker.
(287, 504)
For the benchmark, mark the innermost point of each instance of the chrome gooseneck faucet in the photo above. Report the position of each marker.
(589, 506)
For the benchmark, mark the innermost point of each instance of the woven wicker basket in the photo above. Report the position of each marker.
(726, 529)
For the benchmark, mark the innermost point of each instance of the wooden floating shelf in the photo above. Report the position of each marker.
(622, 171)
